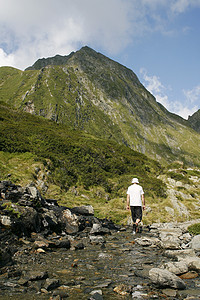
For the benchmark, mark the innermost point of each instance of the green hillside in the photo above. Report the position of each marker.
(73, 167)
(89, 92)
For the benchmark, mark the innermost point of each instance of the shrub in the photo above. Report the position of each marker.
(194, 229)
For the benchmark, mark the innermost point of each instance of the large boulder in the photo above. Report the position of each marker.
(28, 221)
(163, 278)
(85, 210)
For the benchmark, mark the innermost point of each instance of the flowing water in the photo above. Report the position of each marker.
(96, 267)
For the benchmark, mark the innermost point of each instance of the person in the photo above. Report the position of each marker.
(135, 202)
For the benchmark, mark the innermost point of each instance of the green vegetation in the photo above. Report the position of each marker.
(90, 92)
(8, 206)
(179, 176)
(194, 229)
(88, 108)
(100, 170)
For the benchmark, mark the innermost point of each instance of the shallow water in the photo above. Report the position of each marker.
(119, 261)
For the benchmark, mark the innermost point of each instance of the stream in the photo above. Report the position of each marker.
(117, 268)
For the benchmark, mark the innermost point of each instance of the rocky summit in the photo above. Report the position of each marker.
(53, 252)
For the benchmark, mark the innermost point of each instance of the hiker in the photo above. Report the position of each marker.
(135, 202)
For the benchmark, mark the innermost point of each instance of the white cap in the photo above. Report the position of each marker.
(135, 180)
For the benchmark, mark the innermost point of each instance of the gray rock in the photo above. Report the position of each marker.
(170, 238)
(70, 221)
(193, 263)
(176, 267)
(148, 241)
(34, 276)
(85, 210)
(105, 256)
(179, 254)
(195, 242)
(5, 220)
(51, 284)
(96, 239)
(98, 229)
(164, 278)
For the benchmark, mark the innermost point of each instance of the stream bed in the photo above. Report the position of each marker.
(117, 269)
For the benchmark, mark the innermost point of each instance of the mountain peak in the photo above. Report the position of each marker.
(58, 60)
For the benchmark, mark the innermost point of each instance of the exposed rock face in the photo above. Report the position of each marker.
(194, 121)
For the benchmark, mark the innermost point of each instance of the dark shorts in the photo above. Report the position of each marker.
(136, 212)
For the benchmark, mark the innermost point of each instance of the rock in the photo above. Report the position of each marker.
(33, 276)
(40, 250)
(70, 222)
(79, 246)
(6, 257)
(61, 293)
(122, 289)
(189, 275)
(164, 278)
(96, 291)
(99, 229)
(5, 220)
(96, 296)
(41, 244)
(96, 239)
(193, 263)
(179, 254)
(62, 243)
(85, 210)
(104, 284)
(170, 238)
(195, 242)
(51, 284)
(169, 210)
(50, 220)
(148, 241)
(105, 256)
(170, 292)
(139, 295)
(33, 191)
(29, 221)
(176, 267)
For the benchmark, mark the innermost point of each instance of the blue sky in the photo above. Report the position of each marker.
(158, 39)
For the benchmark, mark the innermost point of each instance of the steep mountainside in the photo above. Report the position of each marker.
(89, 91)
(194, 121)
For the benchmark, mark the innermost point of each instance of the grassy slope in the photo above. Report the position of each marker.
(78, 168)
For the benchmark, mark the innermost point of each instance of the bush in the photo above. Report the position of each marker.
(194, 229)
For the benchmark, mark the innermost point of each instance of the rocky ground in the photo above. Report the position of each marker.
(53, 252)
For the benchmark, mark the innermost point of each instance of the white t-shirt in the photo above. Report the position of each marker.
(135, 191)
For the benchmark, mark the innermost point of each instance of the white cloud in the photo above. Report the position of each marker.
(5, 59)
(180, 6)
(182, 108)
(40, 28)
(154, 86)
(184, 111)
(193, 95)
